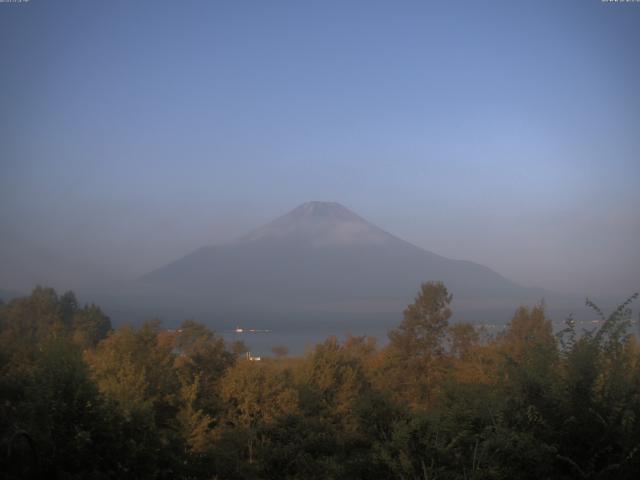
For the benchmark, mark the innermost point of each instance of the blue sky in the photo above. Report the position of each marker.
(132, 132)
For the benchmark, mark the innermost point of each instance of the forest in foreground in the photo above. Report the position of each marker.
(81, 400)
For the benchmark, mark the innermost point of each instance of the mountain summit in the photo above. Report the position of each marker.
(319, 258)
(320, 224)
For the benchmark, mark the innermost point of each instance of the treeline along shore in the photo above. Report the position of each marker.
(81, 400)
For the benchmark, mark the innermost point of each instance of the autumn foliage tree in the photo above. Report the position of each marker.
(416, 348)
(81, 400)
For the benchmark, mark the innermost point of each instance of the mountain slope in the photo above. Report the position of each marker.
(321, 257)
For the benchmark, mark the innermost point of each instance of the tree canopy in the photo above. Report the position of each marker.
(79, 399)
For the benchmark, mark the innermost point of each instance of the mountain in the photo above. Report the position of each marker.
(321, 260)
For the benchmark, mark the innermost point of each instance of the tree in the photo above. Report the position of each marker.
(463, 337)
(89, 325)
(416, 349)
(195, 425)
(425, 323)
(28, 322)
(332, 378)
(202, 358)
(120, 375)
(256, 394)
(529, 332)
(600, 399)
(68, 304)
(135, 369)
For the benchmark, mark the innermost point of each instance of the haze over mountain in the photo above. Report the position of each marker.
(322, 259)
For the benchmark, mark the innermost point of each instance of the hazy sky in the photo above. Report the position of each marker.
(503, 132)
